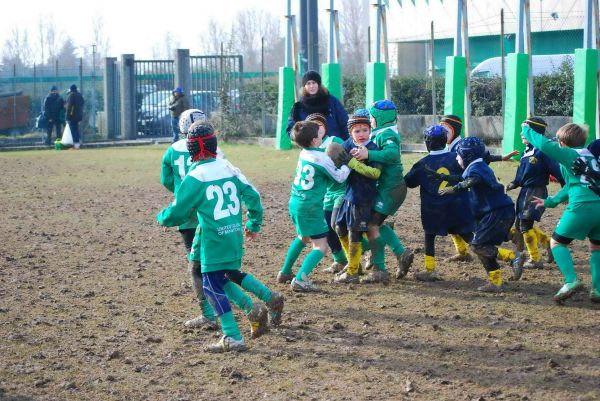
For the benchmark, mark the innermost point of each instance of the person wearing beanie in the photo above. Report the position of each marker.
(315, 98)
(332, 201)
(53, 106)
(533, 177)
(74, 114)
(178, 103)
(391, 191)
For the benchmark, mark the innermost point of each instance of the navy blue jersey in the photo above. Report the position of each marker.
(440, 214)
(360, 189)
(535, 169)
(488, 194)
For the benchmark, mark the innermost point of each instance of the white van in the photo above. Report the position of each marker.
(541, 65)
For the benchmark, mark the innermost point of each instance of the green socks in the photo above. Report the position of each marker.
(207, 310)
(595, 269)
(310, 262)
(390, 238)
(366, 246)
(340, 257)
(378, 250)
(238, 297)
(564, 260)
(251, 284)
(294, 251)
(229, 326)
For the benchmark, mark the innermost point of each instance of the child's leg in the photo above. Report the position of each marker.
(339, 257)
(563, 257)
(530, 239)
(342, 232)
(187, 234)
(429, 274)
(213, 285)
(313, 258)
(460, 244)
(355, 251)
(487, 255)
(208, 314)
(391, 239)
(595, 269)
(293, 253)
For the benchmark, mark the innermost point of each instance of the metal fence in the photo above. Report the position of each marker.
(154, 81)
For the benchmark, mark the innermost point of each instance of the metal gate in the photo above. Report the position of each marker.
(216, 83)
(154, 82)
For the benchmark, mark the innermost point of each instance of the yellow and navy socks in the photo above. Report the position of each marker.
(460, 244)
(531, 242)
(354, 257)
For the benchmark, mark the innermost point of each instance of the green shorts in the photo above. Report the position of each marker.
(389, 200)
(310, 225)
(580, 221)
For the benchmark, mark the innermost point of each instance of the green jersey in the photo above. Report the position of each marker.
(576, 186)
(335, 190)
(387, 140)
(215, 190)
(314, 173)
(176, 163)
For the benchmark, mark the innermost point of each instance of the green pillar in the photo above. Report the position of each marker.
(375, 83)
(515, 108)
(586, 88)
(454, 97)
(285, 103)
(332, 78)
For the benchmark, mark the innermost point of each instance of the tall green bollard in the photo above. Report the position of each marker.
(515, 109)
(586, 88)
(454, 97)
(332, 78)
(375, 83)
(285, 103)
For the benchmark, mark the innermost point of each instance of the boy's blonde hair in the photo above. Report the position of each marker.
(573, 135)
(303, 132)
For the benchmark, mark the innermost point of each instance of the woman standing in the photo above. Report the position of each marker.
(316, 99)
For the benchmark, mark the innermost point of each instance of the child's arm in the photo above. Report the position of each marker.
(166, 174)
(553, 201)
(339, 175)
(251, 199)
(362, 169)
(564, 156)
(388, 154)
(182, 208)
(412, 177)
(461, 186)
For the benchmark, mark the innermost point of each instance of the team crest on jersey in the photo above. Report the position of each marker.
(533, 160)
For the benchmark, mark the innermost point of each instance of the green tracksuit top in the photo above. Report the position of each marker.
(575, 189)
(387, 140)
(314, 173)
(215, 190)
(335, 190)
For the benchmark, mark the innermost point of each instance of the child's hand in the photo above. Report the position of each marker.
(447, 191)
(250, 235)
(510, 155)
(538, 202)
(360, 153)
(510, 186)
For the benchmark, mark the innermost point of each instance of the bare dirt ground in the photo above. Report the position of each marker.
(93, 295)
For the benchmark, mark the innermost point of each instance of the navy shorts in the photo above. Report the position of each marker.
(494, 227)
(354, 217)
(527, 210)
(212, 284)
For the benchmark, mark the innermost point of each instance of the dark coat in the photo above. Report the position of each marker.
(329, 106)
(53, 105)
(74, 107)
(177, 105)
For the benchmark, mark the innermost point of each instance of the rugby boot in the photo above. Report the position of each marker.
(517, 267)
(595, 296)
(284, 278)
(532, 264)
(201, 322)
(303, 286)
(226, 344)
(367, 260)
(460, 257)
(346, 278)
(491, 288)
(259, 319)
(376, 276)
(275, 308)
(427, 276)
(404, 262)
(568, 290)
(335, 267)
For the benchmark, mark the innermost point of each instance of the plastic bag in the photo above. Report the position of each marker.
(67, 137)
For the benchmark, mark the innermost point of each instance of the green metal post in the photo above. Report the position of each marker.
(517, 72)
(332, 78)
(285, 103)
(375, 83)
(454, 96)
(585, 91)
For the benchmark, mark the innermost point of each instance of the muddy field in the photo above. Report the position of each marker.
(93, 295)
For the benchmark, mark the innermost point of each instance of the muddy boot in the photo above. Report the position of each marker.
(345, 278)
(259, 318)
(335, 267)
(367, 260)
(404, 262)
(531, 264)
(460, 257)
(491, 288)
(275, 307)
(568, 290)
(595, 296)
(517, 267)
(201, 322)
(549, 255)
(428, 276)
(226, 344)
(376, 276)
(303, 286)
(284, 278)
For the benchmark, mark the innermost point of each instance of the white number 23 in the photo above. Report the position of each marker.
(232, 208)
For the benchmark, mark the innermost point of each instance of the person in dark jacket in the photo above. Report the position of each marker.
(177, 105)
(316, 99)
(53, 104)
(74, 113)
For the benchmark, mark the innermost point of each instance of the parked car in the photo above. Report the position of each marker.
(544, 64)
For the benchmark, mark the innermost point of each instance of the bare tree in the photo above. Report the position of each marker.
(17, 49)
(354, 22)
(166, 49)
(100, 39)
(49, 40)
(251, 25)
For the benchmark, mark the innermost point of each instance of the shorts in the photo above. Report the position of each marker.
(389, 200)
(494, 227)
(354, 217)
(527, 210)
(310, 225)
(580, 221)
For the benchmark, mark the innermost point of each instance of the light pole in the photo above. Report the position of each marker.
(94, 87)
